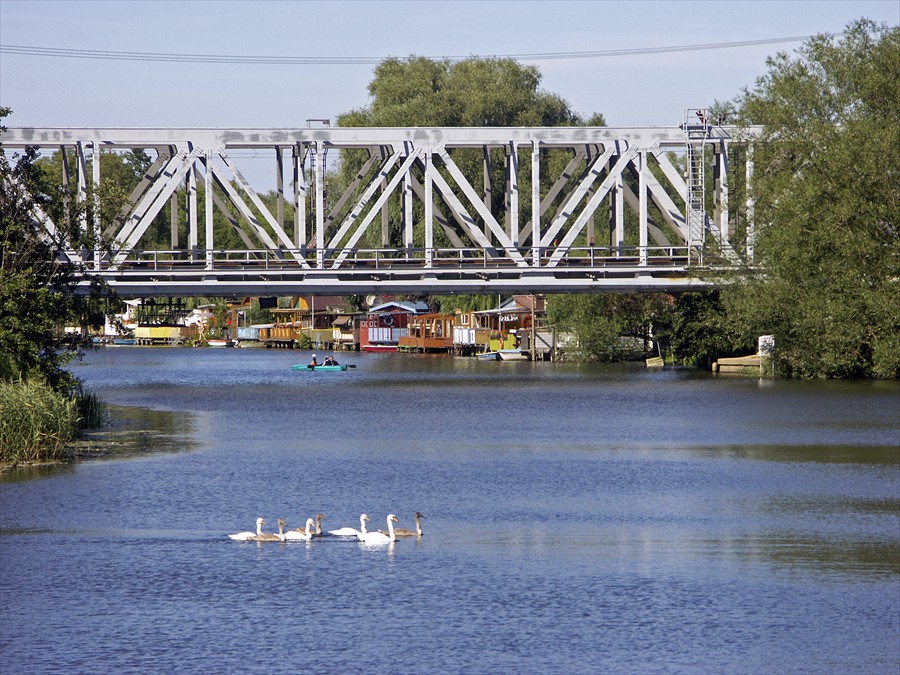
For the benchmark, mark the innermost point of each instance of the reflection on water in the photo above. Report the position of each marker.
(578, 519)
(129, 433)
(825, 454)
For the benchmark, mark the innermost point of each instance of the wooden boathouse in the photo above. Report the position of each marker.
(428, 333)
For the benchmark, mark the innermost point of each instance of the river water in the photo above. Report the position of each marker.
(579, 519)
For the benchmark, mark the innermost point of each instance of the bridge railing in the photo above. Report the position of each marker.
(396, 258)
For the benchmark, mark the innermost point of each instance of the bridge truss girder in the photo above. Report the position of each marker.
(550, 247)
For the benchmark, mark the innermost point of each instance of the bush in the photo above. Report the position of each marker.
(36, 421)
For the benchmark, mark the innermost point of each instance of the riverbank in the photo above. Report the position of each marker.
(126, 432)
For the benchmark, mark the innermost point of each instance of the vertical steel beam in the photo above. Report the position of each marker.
(486, 185)
(81, 194)
(536, 202)
(513, 192)
(590, 237)
(721, 190)
(320, 207)
(208, 211)
(642, 208)
(279, 186)
(95, 203)
(173, 220)
(407, 204)
(66, 183)
(429, 207)
(619, 200)
(193, 228)
(298, 156)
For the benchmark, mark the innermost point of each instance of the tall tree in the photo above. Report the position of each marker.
(827, 205)
(473, 93)
(37, 293)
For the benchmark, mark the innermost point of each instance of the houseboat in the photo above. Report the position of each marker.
(386, 324)
(428, 333)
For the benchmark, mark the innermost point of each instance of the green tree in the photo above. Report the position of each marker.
(697, 331)
(37, 293)
(471, 93)
(827, 207)
(609, 326)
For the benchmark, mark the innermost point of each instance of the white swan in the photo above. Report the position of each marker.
(271, 536)
(403, 532)
(247, 536)
(302, 535)
(381, 537)
(349, 531)
(317, 533)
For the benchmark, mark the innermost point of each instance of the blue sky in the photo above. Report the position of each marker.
(636, 90)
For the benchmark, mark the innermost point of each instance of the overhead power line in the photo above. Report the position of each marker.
(63, 53)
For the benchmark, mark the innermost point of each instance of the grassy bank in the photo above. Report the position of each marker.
(36, 422)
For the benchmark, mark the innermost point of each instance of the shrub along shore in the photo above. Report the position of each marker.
(37, 422)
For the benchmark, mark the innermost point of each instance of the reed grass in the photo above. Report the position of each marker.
(91, 411)
(36, 421)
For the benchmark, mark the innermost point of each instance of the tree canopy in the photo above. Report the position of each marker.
(473, 93)
(827, 206)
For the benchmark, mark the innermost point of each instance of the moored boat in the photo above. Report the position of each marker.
(488, 356)
(513, 355)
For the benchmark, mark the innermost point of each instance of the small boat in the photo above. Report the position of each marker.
(513, 355)
(488, 356)
(123, 341)
(301, 367)
(380, 348)
(217, 343)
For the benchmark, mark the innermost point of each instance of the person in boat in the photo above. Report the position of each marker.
(313, 363)
(330, 361)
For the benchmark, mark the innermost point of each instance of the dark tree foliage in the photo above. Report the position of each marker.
(37, 291)
(696, 331)
(609, 326)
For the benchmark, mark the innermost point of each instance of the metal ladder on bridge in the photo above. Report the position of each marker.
(696, 129)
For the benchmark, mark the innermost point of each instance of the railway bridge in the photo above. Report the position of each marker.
(346, 211)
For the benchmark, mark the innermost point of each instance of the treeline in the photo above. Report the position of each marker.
(825, 276)
(823, 279)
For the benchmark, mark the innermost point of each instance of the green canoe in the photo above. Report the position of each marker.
(300, 366)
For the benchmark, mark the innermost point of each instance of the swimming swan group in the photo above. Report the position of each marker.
(313, 530)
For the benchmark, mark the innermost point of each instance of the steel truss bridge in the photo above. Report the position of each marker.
(551, 210)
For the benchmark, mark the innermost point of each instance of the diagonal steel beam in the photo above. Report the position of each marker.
(257, 202)
(479, 206)
(150, 175)
(376, 207)
(239, 203)
(234, 222)
(153, 201)
(368, 193)
(438, 215)
(572, 201)
(465, 220)
(591, 206)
